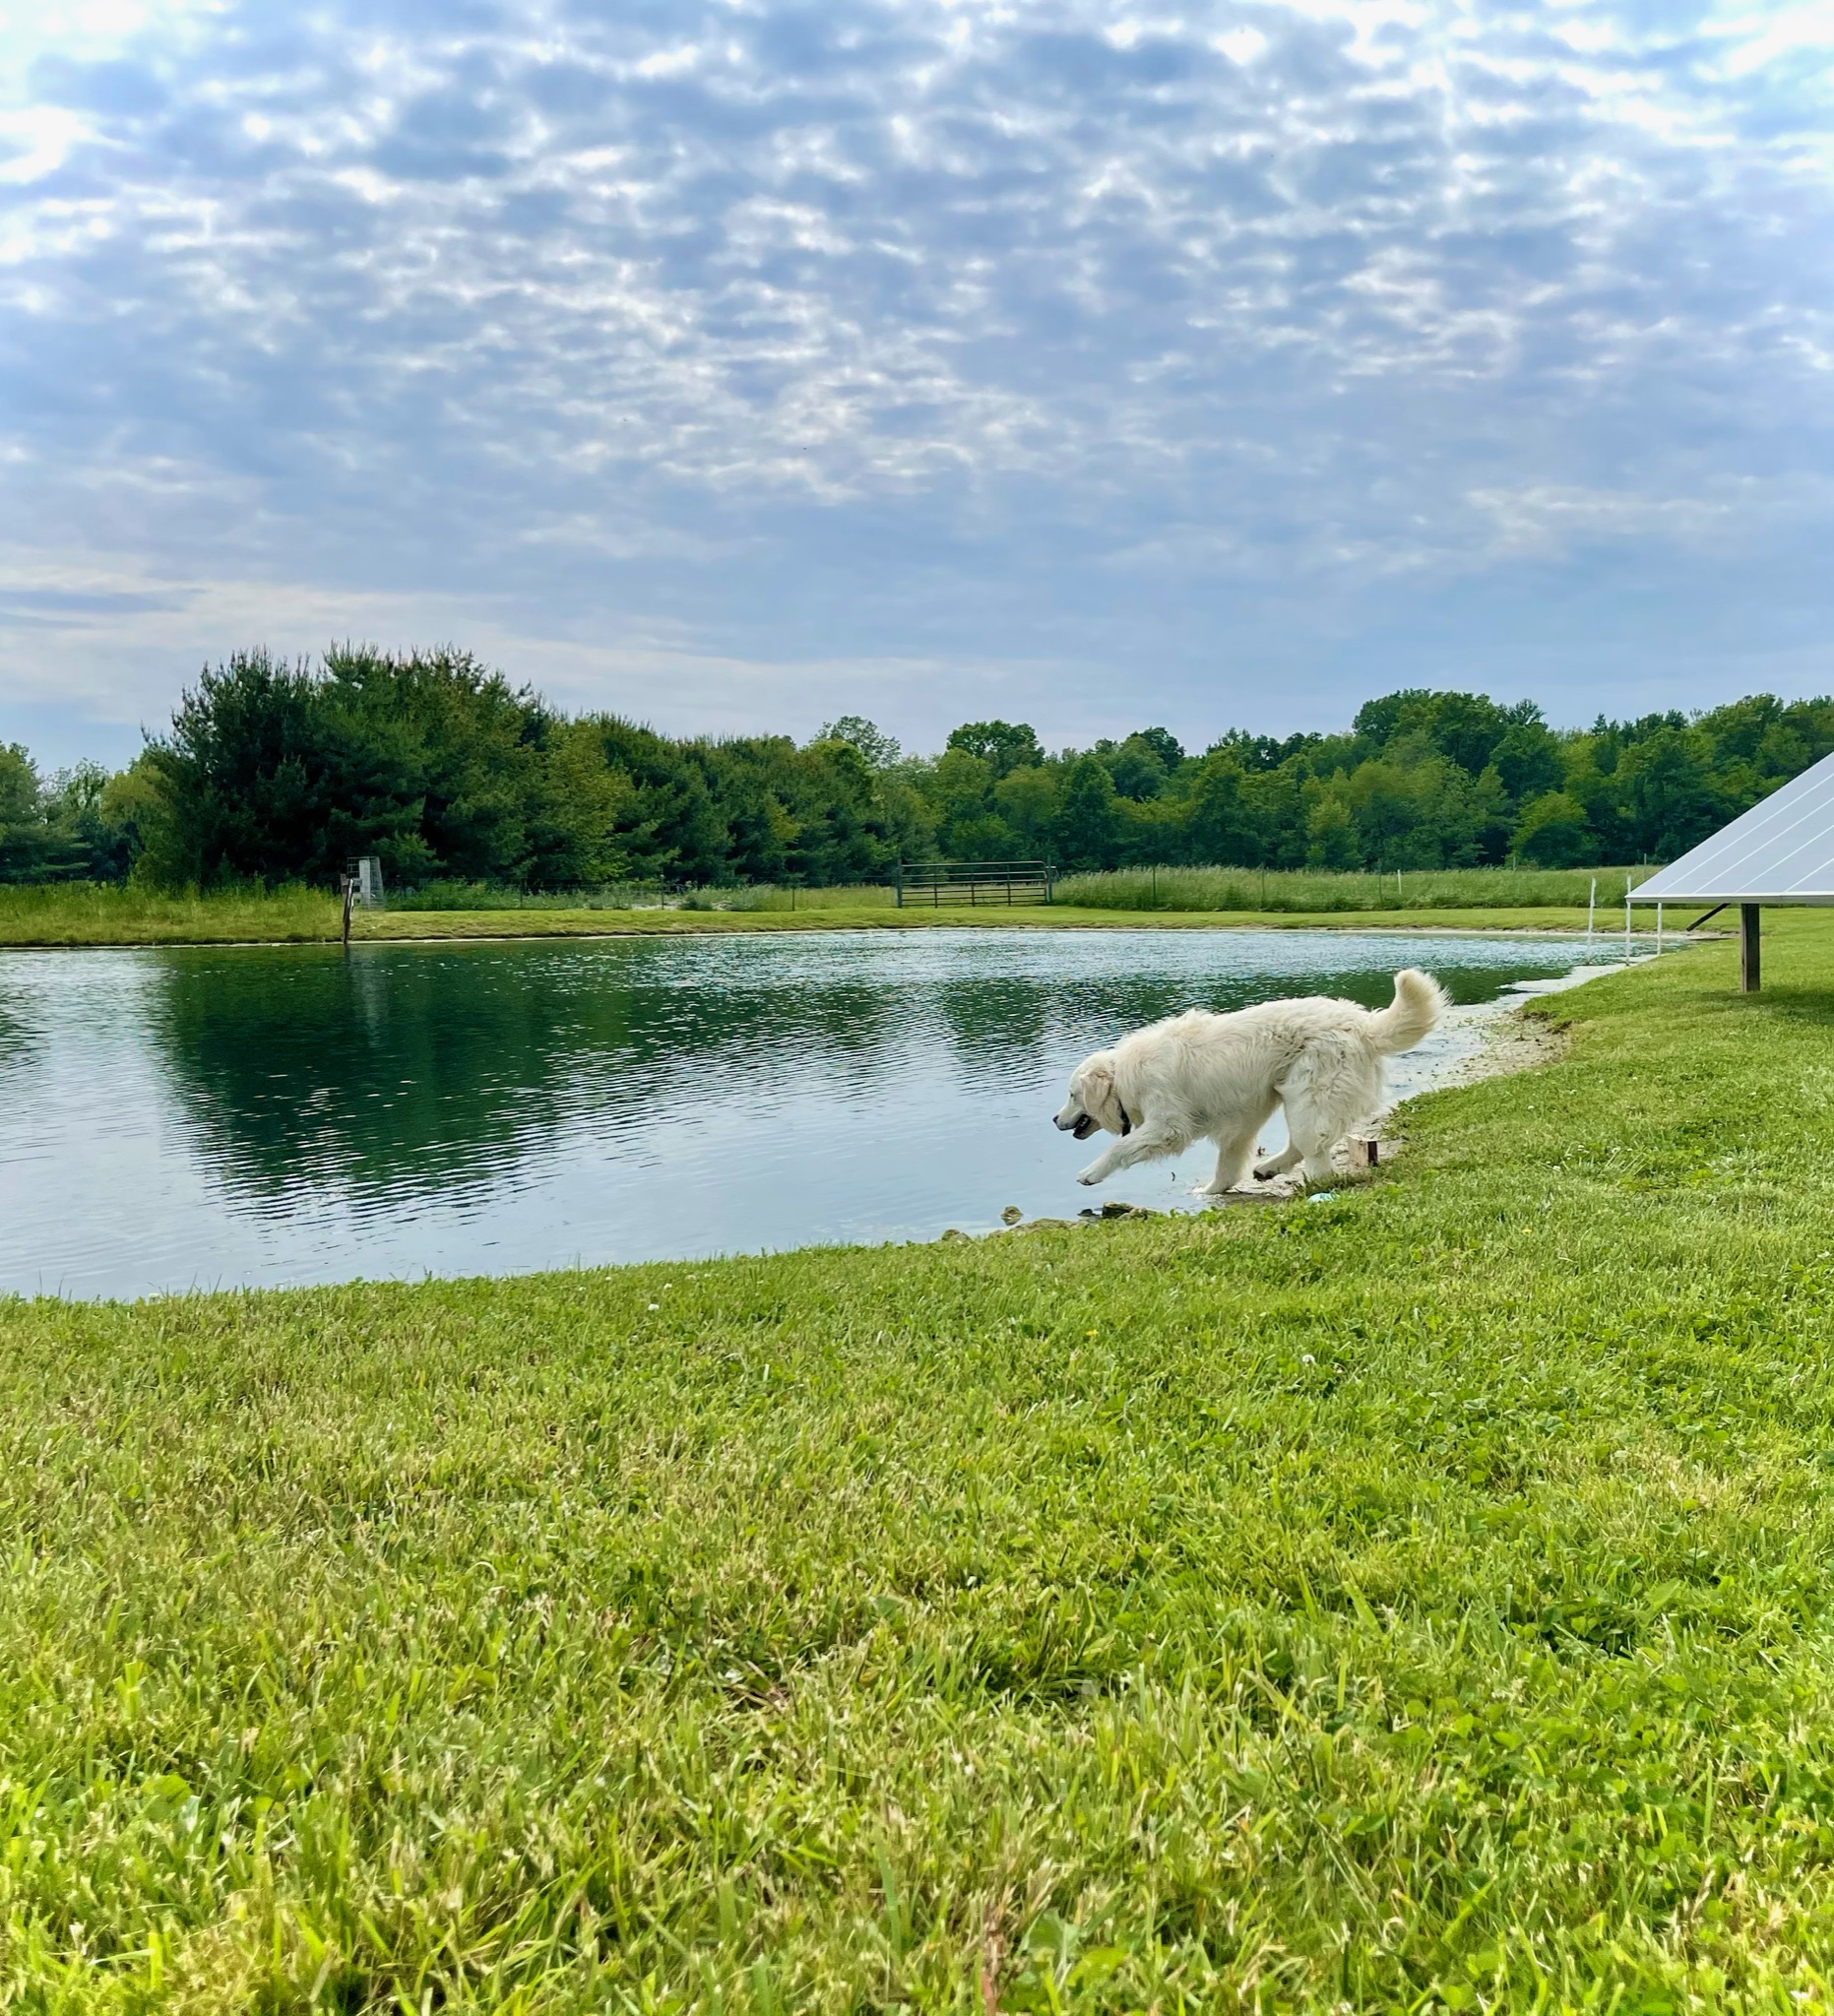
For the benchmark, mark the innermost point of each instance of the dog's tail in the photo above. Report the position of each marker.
(1419, 1001)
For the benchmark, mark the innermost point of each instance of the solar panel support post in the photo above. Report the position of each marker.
(1748, 958)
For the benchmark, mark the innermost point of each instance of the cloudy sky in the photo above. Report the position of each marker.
(735, 363)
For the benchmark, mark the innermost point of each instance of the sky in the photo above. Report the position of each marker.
(735, 364)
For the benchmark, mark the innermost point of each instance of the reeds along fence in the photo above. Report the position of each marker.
(974, 883)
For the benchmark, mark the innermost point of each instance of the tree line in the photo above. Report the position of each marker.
(438, 765)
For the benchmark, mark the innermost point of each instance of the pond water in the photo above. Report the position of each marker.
(205, 1117)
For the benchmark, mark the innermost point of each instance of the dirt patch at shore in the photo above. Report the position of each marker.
(1516, 1041)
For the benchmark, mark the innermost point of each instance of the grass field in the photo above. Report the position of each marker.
(81, 914)
(1416, 1600)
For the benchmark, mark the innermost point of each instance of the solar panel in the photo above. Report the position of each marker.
(1782, 850)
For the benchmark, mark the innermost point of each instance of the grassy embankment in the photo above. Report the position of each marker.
(92, 913)
(1484, 899)
(1417, 1600)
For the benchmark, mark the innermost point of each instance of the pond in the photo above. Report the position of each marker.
(205, 1117)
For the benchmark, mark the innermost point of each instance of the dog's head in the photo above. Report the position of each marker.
(1093, 1101)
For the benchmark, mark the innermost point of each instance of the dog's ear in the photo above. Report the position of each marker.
(1099, 1100)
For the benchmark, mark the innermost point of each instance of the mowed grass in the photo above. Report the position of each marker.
(1415, 1600)
(86, 913)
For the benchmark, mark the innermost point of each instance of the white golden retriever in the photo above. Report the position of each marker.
(1200, 1077)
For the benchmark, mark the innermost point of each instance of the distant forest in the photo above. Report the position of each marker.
(276, 773)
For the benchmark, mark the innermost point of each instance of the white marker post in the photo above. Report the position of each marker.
(1658, 928)
(1591, 904)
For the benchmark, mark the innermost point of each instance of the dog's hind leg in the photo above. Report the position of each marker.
(1331, 1085)
(1315, 1133)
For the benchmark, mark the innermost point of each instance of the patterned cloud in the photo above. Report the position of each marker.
(732, 364)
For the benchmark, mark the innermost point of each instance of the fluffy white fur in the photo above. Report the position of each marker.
(1200, 1077)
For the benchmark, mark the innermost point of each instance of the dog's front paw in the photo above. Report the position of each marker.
(1265, 1172)
(1089, 1176)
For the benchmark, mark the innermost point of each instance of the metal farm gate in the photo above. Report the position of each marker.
(975, 883)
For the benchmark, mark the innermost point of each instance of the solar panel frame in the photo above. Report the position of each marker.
(1779, 852)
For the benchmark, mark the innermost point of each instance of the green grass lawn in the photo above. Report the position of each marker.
(90, 915)
(1415, 1600)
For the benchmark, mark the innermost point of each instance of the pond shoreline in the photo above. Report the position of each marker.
(483, 927)
(456, 1107)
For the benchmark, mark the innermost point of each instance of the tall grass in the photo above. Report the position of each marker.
(1300, 889)
(496, 896)
(105, 913)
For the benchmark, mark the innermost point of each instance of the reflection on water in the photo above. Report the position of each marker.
(267, 1115)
